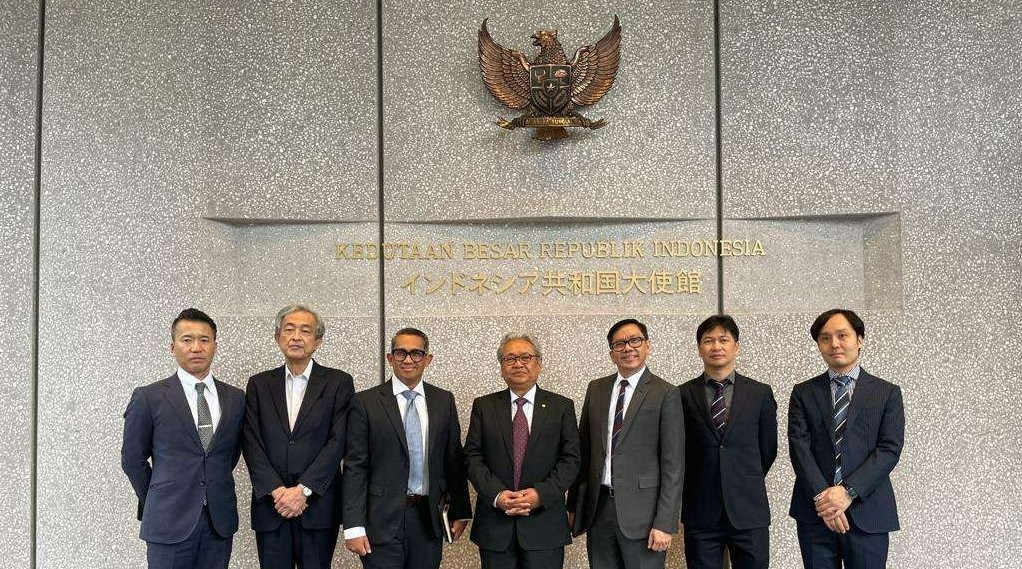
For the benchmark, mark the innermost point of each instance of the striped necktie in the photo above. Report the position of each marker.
(842, 399)
(718, 409)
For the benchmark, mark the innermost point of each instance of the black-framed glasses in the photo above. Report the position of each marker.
(524, 359)
(634, 341)
(400, 355)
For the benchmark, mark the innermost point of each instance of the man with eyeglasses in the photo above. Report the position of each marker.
(522, 452)
(627, 496)
(404, 465)
(295, 417)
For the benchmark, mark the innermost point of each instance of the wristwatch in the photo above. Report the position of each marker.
(306, 491)
(851, 492)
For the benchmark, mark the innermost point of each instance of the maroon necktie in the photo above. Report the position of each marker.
(520, 429)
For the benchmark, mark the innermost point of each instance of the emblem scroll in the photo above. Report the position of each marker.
(550, 87)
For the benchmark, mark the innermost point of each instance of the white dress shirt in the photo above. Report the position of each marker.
(402, 405)
(188, 382)
(294, 389)
(632, 381)
(530, 398)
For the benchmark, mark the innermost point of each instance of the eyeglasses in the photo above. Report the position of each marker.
(634, 341)
(400, 355)
(523, 359)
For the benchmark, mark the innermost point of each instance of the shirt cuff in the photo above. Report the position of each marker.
(351, 533)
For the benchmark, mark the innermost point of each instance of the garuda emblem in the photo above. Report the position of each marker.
(550, 87)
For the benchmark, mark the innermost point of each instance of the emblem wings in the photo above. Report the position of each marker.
(506, 71)
(594, 67)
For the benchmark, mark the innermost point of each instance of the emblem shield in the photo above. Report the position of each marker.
(550, 88)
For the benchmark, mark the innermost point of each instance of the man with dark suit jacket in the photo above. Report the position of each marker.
(731, 442)
(182, 440)
(628, 491)
(522, 452)
(404, 465)
(845, 433)
(294, 440)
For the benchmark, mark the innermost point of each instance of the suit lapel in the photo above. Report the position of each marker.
(175, 394)
(739, 400)
(434, 410)
(699, 393)
(502, 410)
(389, 403)
(601, 405)
(317, 381)
(540, 422)
(226, 409)
(635, 403)
(825, 402)
(864, 387)
(277, 385)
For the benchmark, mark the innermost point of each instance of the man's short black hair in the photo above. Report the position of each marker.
(857, 324)
(411, 332)
(717, 321)
(621, 324)
(193, 315)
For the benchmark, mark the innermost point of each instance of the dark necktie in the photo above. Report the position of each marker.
(842, 398)
(619, 416)
(718, 409)
(520, 430)
(205, 417)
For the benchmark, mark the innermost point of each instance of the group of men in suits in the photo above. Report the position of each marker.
(644, 454)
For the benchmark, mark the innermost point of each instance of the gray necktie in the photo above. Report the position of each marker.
(205, 417)
(413, 434)
(842, 398)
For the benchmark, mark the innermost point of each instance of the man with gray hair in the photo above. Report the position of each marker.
(522, 452)
(295, 419)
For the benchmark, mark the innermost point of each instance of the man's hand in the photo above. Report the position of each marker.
(504, 500)
(658, 540)
(359, 545)
(832, 501)
(837, 524)
(291, 502)
(458, 528)
(276, 493)
(527, 499)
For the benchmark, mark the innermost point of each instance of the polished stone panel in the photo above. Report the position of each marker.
(446, 160)
(19, 54)
(900, 110)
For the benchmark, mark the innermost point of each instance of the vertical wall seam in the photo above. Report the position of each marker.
(37, 216)
(382, 339)
(717, 152)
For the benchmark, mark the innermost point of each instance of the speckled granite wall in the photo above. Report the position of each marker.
(214, 155)
(19, 54)
(166, 128)
(845, 109)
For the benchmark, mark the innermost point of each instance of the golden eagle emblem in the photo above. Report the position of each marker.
(550, 87)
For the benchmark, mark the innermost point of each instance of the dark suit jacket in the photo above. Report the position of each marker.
(649, 464)
(550, 466)
(376, 464)
(725, 473)
(311, 454)
(874, 435)
(158, 425)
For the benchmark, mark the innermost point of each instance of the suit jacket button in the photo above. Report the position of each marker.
(291, 443)
(722, 447)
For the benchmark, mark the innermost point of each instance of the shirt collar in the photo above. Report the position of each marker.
(854, 374)
(188, 380)
(529, 396)
(633, 379)
(306, 374)
(729, 380)
(399, 387)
